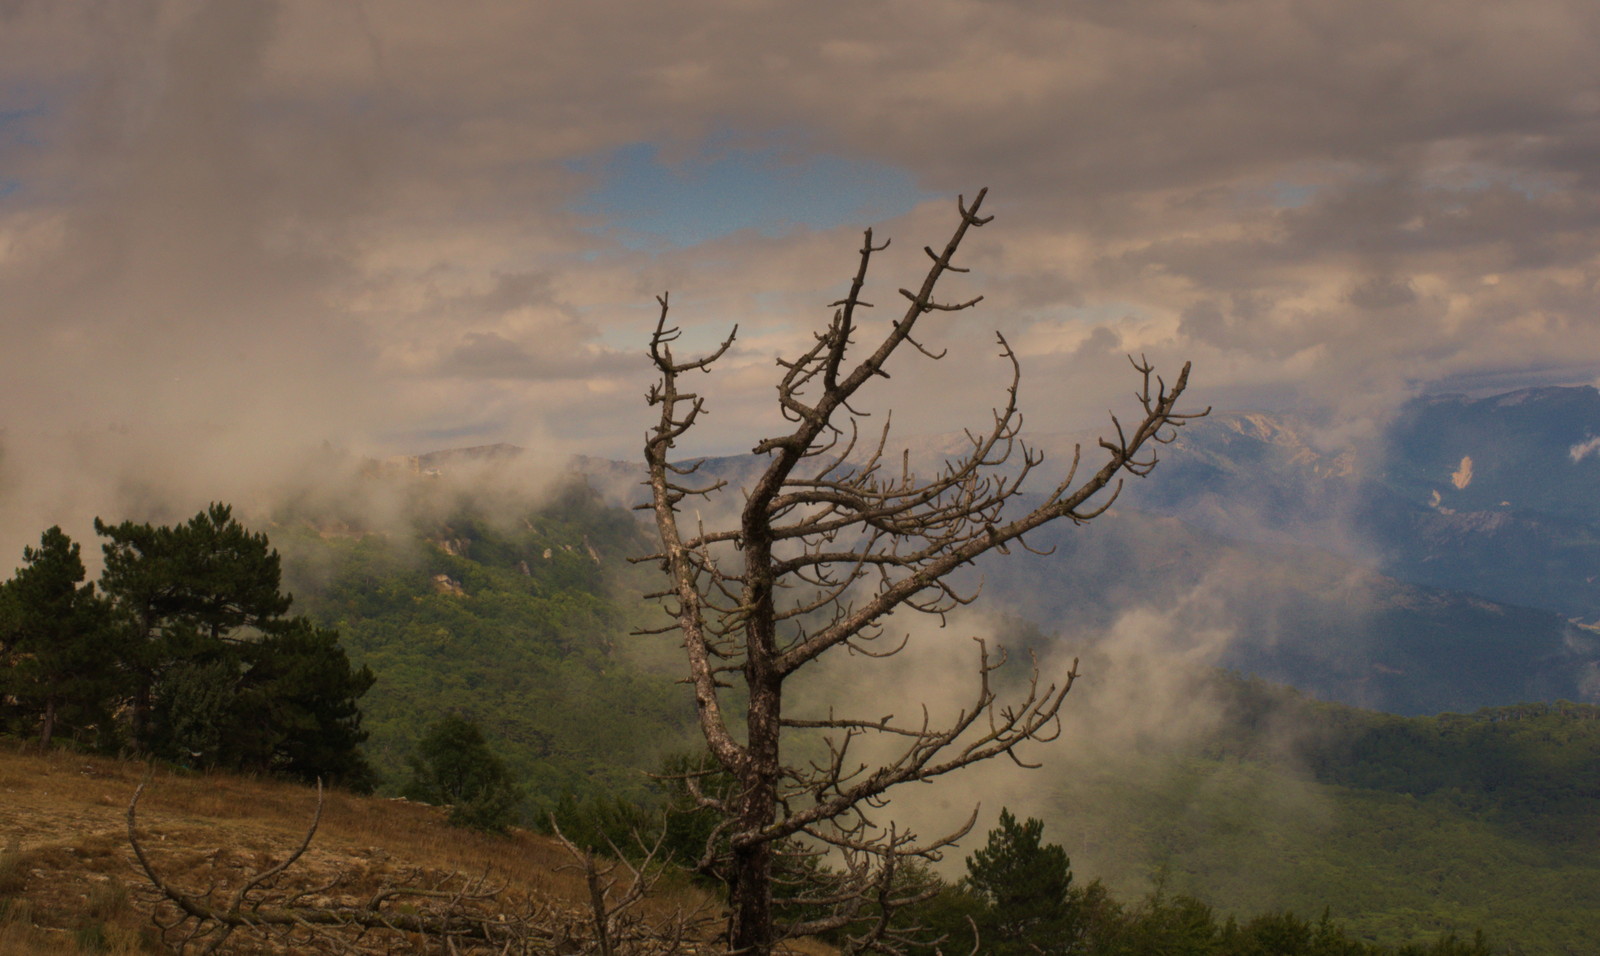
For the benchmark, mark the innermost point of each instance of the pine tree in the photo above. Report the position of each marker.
(454, 767)
(299, 693)
(187, 590)
(142, 580)
(226, 578)
(223, 676)
(62, 665)
(1026, 887)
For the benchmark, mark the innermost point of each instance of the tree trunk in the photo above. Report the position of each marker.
(47, 729)
(750, 931)
(140, 725)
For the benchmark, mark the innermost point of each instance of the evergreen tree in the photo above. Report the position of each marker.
(226, 579)
(184, 592)
(194, 722)
(222, 677)
(61, 663)
(454, 767)
(298, 694)
(1026, 888)
(142, 579)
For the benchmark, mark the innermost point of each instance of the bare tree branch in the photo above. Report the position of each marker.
(833, 536)
(454, 914)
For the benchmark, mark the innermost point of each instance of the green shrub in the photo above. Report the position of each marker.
(453, 766)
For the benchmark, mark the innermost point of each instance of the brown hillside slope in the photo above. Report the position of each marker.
(69, 882)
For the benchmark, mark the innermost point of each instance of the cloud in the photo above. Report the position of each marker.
(1146, 703)
(385, 224)
(494, 356)
(1583, 449)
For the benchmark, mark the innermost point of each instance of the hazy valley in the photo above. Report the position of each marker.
(1351, 574)
(1384, 583)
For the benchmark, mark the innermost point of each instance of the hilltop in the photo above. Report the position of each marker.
(68, 881)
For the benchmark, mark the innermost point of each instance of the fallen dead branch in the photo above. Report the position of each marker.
(230, 905)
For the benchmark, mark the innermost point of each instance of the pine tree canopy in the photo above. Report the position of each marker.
(191, 646)
(1026, 887)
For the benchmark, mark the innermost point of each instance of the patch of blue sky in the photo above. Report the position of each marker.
(1478, 177)
(15, 125)
(1299, 184)
(1292, 195)
(17, 130)
(10, 116)
(1277, 194)
(647, 201)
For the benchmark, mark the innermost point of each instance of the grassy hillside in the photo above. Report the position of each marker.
(67, 883)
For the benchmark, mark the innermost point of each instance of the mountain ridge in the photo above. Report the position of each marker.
(1266, 493)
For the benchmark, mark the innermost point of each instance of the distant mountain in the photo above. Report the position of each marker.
(1450, 564)
(1498, 496)
(517, 616)
(1291, 614)
(1257, 547)
(1534, 451)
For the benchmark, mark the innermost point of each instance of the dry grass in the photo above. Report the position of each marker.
(68, 882)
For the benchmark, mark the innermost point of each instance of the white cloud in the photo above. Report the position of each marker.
(1583, 449)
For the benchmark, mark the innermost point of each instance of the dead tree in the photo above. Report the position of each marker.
(832, 536)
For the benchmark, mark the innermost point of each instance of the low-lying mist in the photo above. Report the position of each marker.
(167, 475)
(1142, 715)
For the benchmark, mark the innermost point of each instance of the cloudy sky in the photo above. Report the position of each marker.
(233, 229)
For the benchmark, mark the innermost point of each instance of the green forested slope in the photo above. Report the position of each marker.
(1391, 868)
(1400, 827)
(520, 622)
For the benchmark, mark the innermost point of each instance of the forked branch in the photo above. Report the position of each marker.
(834, 534)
